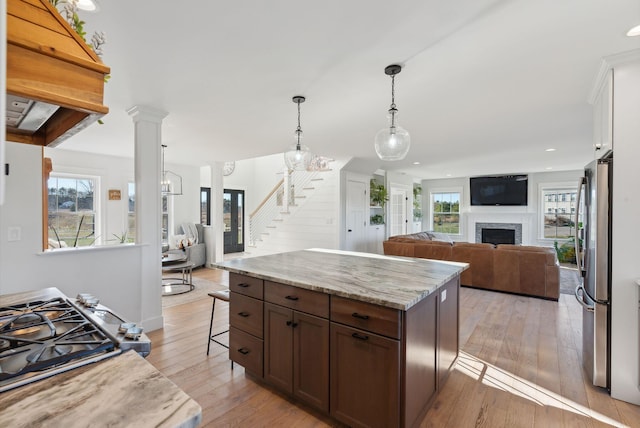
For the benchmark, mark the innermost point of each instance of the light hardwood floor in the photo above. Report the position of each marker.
(519, 366)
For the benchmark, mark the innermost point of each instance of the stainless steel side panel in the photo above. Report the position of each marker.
(602, 236)
(596, 263)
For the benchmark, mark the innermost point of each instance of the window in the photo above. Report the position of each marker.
(165, 219)
(558, 207)
(445, 208)
(72, 210)
(205, 206)
(131, 213)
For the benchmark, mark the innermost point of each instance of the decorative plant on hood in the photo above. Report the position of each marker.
(70, 10)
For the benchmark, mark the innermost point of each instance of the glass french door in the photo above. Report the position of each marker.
(233, 216)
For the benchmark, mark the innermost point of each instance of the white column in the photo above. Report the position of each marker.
(217, 221)
(148, 123)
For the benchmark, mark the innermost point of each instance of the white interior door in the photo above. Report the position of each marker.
(356, 204)
(398, 211)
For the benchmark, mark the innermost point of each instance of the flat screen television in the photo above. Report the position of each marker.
(499, 190)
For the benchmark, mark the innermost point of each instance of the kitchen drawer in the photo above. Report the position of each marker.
(246, 350)
(366, 316)
(247, 285)
(311, 302)
(246, 313)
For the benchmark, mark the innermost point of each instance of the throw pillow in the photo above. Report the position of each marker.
(442, 237)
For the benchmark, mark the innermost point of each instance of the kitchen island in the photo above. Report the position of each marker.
(367, 339)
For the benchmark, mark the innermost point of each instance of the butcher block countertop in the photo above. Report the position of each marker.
(394, 282)
(123, 391)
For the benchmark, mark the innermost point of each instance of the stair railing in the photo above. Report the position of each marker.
(278, 202)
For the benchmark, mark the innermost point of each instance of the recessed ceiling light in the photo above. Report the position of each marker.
(416, 163)
(88, 5)
(550, 150)
(635, 31)
(549, 167)
(447, 175)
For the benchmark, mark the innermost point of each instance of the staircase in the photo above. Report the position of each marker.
(302, 217)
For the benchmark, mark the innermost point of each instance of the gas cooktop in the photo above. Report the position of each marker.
(45, 333)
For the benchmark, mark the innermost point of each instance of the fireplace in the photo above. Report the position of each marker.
(498, 236)
(503, 233)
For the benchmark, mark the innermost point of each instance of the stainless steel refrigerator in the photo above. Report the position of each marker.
(593, 255)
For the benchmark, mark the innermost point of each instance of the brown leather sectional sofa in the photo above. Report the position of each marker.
(532, 271)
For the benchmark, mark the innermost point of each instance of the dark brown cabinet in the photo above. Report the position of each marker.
(245, 322)
(363, 364)
(296, 347)
(365, 378)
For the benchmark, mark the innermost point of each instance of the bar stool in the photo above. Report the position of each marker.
(217, 295)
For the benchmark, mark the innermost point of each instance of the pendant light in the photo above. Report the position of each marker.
(392, 143)
(171, 183)
(298, 158)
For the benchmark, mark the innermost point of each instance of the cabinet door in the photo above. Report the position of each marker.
(278, 343)
(311, 360)
(365, 380)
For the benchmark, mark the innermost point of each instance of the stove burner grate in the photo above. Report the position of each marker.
(48, 352)
(42, 336)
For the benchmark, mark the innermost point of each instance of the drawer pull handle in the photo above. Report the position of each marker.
(243, 285)
(360, 336)
(243, 351)
(291, 297)
(362, 317)
(243, 314)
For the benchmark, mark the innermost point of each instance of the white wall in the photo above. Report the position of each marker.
(115, 173)
(529, 216)
(111, 273)
(257, 177)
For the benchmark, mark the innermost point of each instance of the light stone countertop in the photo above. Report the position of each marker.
(123, 391)
(390, 281)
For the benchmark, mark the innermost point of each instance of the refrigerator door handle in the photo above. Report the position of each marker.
(579, 296)
(576, 228)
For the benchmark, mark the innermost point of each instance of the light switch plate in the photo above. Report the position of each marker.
(14, 233)
(443, 295)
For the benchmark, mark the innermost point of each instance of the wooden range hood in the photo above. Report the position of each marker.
(55, 81)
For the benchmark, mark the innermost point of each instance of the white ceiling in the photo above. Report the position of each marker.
(487, 85)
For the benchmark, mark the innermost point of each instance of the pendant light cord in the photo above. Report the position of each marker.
(393, 109)
(299, 130)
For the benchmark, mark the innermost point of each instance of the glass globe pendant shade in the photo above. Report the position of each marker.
(298, 157)
(392, 143)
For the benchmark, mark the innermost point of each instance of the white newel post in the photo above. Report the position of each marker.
(148, 123)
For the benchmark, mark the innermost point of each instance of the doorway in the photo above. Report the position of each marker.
(233, 217)
(356, 201)
(399, 210)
